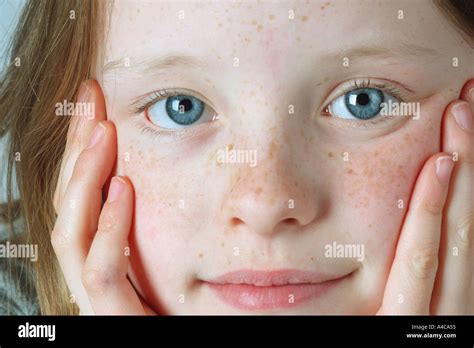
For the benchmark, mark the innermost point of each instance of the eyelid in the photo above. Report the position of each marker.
(145, 101)
(394, 88)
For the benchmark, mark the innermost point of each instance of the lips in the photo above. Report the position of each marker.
(258, 290)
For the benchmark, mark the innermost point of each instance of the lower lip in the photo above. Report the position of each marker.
(251, 297)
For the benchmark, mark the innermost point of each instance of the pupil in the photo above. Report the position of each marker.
(186, 103)
(363, 99)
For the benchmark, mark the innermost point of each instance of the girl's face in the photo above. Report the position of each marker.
(267, 177)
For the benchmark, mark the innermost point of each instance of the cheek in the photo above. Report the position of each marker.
(378, 183)
(168, 209)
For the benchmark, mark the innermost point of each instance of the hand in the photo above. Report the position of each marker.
(89, 240)
(433, 268)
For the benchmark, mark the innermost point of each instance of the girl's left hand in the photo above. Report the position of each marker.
(433, 268)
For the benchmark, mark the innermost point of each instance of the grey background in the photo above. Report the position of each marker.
(9, 14)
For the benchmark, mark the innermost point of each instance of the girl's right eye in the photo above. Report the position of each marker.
(179, 111)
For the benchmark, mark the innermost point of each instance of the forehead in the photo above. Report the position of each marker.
(285, 39)
(215, 29)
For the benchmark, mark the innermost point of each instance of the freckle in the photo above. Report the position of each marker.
(311, 258)
(298, 38)
(330, 154)
(349, 171)
(222, 244)
(254, 22)
(304, 18)
(370, 225)
(230, 146)
(200, 255)
(271, 17)
(259, 27)
(273, 148)
(367, 172)
(258, 190)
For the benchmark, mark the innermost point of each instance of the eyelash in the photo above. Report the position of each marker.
(365, 83)
(141, 105)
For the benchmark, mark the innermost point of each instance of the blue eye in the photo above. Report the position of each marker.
(179, 111)
(360, 104)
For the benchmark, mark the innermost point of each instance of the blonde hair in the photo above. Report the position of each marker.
(57, 50)
(56, 45)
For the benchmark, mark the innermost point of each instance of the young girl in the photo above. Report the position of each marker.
(245, 157)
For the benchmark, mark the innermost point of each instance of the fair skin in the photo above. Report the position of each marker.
(175, 251)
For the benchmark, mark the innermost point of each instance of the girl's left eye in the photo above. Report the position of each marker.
(179, 111)
(360, 104)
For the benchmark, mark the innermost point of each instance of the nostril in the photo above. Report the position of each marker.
(235, 221)
(291, 222)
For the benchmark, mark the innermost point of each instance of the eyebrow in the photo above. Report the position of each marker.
(373, 51)
(152, 65)
(142, 66)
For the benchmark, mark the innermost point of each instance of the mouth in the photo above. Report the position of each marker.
(259, 290)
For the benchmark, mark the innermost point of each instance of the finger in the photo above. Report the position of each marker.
(93, 111)
(79, 211)
(410, 282)
(453, 293)
(105, 272)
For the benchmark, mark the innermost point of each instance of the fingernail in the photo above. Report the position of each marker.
(116, 187)
(97, 134)
(462, 114)
(444, 167)
(471, 96)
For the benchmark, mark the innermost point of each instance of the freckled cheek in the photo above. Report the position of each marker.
(378, 187)
(168, 212)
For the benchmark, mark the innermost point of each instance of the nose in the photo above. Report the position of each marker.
(269, 198)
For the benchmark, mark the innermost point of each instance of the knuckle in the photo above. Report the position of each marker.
(464, 233)
(96, 281)
(432, 208)
(424, 262)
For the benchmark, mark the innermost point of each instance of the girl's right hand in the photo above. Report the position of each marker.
(91, 241)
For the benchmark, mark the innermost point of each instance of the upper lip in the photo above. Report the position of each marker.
(274, 278)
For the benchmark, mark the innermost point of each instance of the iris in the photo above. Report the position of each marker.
(364, 103)
(184, 109)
